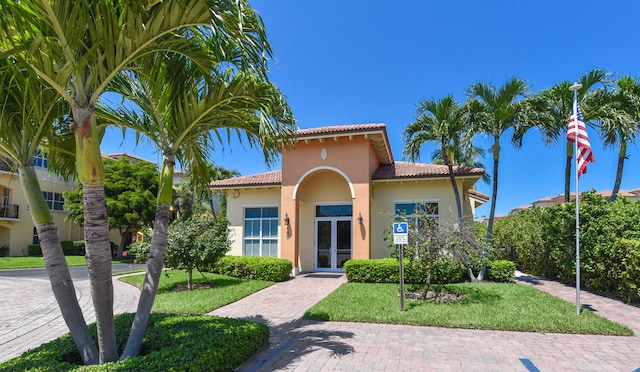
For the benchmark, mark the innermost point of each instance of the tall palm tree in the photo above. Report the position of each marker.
(28, 111)
(184, 112)
(619, 115)
(442, 122)
(560, 104)
(80, 62)
(494, 111)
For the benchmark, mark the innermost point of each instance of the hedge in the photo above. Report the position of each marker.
(172, 343)
(387, 270)
(541, 241)
(257, 268)
(502, 271)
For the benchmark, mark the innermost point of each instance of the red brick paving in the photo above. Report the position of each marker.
(302, 345)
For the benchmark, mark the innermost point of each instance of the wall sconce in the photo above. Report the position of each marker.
(359, 218)
(286, 219)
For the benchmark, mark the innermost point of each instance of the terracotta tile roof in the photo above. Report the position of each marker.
(273, 178)
(479, 195)
(336, 129)
(401, 169)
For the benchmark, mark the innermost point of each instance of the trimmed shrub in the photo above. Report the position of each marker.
(387, 270)
(256, 268)
(4, 250)
(73, 248)
(172, 343)
(502, 271)
(34, 250)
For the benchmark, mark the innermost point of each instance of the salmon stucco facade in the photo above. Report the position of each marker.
(338, 190)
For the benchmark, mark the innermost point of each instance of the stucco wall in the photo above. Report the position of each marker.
(386, 195)
(18, 234)
(237, 201)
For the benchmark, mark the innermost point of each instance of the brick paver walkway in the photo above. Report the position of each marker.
(301, 345)
(30, 317)
(30, 314)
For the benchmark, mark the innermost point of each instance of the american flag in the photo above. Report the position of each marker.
(578, 130)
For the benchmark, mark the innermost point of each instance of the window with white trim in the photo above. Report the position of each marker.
(413, 211)
(54, 200)
(36, 239)
(40, 159)
(261, 231)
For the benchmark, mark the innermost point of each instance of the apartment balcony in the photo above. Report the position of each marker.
(9, 212)
(5, 165)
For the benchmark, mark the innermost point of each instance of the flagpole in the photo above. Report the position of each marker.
(574, 88)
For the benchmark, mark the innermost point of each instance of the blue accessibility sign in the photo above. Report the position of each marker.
(400, 228)
(400, 233)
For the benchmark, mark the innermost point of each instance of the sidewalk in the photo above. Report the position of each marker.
(31, 316)
(302, 345)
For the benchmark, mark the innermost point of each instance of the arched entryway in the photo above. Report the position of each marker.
(325, 212)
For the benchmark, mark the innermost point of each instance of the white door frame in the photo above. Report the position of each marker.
(333, 250)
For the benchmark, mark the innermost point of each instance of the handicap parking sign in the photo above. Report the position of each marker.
(400, 233)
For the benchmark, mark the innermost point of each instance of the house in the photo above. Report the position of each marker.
(17, 230)
(336, 193)
(547, 201)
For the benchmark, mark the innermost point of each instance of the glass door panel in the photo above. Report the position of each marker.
(324, 240)
(343, 242)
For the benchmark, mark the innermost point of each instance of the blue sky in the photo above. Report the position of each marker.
(347, 62)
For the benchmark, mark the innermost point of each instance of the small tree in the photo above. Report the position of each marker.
(130, 192)
(432, 240)
(197, 242)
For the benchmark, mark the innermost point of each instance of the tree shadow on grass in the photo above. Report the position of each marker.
(291, 340)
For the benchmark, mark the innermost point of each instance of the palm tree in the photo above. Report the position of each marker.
(80, 62)
(442, 122)
(184, 112)
(619, 115)
(28, 111)
(560, 104)
(493, 111)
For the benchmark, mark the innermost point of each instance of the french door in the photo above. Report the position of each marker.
(332, 242)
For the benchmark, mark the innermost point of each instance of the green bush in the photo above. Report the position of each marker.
(34, 250)
(256, 268)
(387, 270)
(172, 343)
(502, 271)
(541, 241)
(139, 250)
(4, 250)
(73, 248)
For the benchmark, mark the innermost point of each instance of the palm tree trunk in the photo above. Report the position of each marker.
(155, 262)
(567, 172)
(494, 197)
(621, 157)
(56, 266)
(98, 250)
(456, 193)
(96, 229)
(494, 192)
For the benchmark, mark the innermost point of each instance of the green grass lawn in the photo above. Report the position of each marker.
(29, 262)
(498, 306)
(198, 301)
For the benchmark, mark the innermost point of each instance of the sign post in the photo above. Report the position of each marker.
(400, 239)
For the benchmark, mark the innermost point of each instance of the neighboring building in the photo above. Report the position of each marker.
(17, 230)
(547, 201)
(335, 195)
